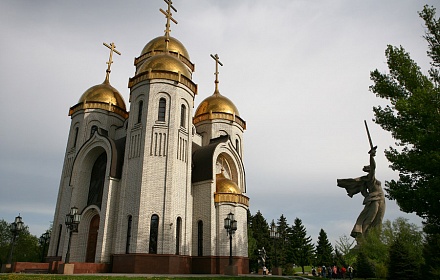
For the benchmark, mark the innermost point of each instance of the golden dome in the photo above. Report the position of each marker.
(103, 93)
(165, 62)
(225, 185)
(159, 44)
(217, 103)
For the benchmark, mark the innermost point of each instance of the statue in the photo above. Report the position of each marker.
(262, 257)
(374, 198)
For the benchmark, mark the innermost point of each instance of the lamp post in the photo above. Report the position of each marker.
(16, 227)
(72, 222)
(275, 235)
(231, 227)
(44, 239)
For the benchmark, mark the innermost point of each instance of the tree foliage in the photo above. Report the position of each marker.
(301, 244)
(413, 118)
(402, 262)
(324, 250)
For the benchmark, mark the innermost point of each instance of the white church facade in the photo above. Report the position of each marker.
(154, 182)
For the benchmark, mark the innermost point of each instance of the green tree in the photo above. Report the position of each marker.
(301, 244)
(252, 244)
(26, 247)
(282, 242)
(364, 267)
(345, 246)
(324, 250)
(413, 118)
(260, 231)
(402, 261)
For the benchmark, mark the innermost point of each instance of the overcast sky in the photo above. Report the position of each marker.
(298, 72)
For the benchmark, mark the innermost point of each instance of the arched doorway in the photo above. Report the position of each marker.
(93, 239)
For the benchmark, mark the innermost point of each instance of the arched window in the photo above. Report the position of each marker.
(76, 136)
(182, 116)
(93, 130)
(199, 238)
(127, 243)
(162, 109)
(97, 179)
(60, 230)
(140, 108)
(178, 234)
(154, 231)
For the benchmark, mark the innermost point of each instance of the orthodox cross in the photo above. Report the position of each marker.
(112, 48)
(217, 62)
(169, 17)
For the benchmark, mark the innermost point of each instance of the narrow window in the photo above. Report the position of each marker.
(199, 238)
(162, 109)
(178, 233)
(76, 137)
(182, 116)
(154, 230)
(97, 180)
(127, 244)
(140, 107)
(237, 145)
(60, 230)
(93, 130)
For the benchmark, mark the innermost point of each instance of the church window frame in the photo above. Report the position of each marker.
(60, 231)
(178, 234)
(183, 116)
(128, 238)
(162, 109)
(154, 234)
(97, 181)
(76, 136)
(200, 238)
(140, 111)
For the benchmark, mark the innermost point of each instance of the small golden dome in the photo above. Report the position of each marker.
(165, 62)
(103, 93)
(225, 185)
(217, 103)
(159, 44)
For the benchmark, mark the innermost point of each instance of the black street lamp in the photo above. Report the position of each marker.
(16, 227)
(72, 222)
(231, 227)
(44, 239)
(274, 234)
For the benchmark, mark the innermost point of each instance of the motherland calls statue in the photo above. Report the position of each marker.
(374, 201)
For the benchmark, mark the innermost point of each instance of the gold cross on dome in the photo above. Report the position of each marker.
(169, 17)
(113, 49)
(217, 62)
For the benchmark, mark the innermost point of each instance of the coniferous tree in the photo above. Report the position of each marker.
(260, 231)
(252, 244)
(324, 250)
(364, 268)
(301, 244)
(282, 241)
(402, 263)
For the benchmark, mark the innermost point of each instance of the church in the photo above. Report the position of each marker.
(152, 183)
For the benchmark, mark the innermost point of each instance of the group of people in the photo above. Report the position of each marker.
(333, 272)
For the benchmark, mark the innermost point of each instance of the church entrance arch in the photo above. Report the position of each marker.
(92, 239)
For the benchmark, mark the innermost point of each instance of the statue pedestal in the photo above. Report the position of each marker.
(231, 270)
(66, 268)
(277, 271)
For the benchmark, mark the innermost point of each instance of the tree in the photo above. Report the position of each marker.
(401, 264)
(26, 248)
(324, 250)
(364, 267)
(413, 118)
(260, 231)
(252, 243)
(345, 246)
(282, 241)
(301, 244)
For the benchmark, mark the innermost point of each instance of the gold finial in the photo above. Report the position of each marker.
(169, 17)
(112, 48)
(217, 62)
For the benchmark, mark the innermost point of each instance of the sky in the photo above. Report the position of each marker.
(298, 71)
